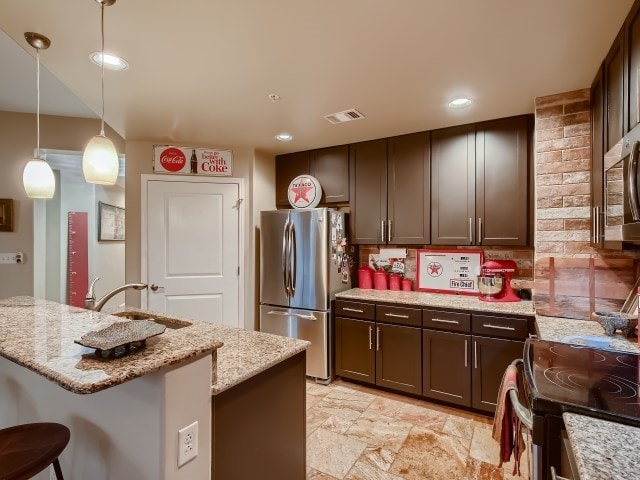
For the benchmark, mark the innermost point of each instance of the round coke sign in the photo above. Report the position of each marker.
(304, 192)
(172, 159)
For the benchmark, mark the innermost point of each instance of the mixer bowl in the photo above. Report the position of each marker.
(490, 285)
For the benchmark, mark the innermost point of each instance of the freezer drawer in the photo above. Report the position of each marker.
(313, 326)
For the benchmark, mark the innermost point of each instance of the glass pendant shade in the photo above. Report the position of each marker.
(38, 179)
(100, 161)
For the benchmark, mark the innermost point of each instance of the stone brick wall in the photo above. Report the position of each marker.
(572, 279)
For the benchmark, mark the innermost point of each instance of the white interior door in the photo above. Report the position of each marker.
(192, 250)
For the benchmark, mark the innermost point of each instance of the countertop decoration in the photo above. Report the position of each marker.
(121, 334)
(612, 321)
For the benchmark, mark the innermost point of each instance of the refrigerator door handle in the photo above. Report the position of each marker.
(285, 258)
(293, 262)
(289, 314)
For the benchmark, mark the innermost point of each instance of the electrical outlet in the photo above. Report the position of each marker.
(17, 257)
(187, 443)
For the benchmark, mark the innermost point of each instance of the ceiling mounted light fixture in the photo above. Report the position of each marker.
(459, 102)
(37, 177)
(111, 62)
(284, 137)
(100, 160)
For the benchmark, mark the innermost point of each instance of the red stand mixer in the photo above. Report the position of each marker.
(494, 281)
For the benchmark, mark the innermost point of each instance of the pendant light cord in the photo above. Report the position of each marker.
(38, 103)
(102, 66)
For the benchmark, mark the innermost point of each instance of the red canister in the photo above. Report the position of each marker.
(394, 281)
(407, 285)
(380, 280)
(365, 277)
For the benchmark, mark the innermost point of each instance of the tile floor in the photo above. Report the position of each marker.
(359, 433)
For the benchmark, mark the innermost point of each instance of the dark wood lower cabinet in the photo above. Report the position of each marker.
(446, 366)
(355, 354)
(491, 356)
(398, 354)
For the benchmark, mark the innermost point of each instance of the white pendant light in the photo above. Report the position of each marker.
(100, 160)
(37, 177)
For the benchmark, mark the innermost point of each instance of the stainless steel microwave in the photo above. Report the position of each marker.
(622, 192)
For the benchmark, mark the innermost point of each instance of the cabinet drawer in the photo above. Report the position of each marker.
(399, 315)
(506, 327)
(450, 321)
(365, 311)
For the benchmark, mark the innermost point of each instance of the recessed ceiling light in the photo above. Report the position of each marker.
(460, 102)
(284, 137)
(111, 62)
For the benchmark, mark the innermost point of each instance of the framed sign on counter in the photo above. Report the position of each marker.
(449, 271)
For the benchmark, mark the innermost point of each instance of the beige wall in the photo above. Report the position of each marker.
(17, 137)
(258, 173)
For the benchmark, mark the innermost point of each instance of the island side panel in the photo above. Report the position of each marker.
(259, 425)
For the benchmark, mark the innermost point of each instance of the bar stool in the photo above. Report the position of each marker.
(26, 450)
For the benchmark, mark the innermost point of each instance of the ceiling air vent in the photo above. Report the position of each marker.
(345, 116)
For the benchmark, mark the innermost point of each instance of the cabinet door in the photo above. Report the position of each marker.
(331, 167)
(288, 167)
(597, 162)
(398, 358)
(368, 192)
(502, 179)
(491, 356)
(409, 201)
(632, 66)
(453, 181)
(614, 90)
(355, 356)
(446, 363)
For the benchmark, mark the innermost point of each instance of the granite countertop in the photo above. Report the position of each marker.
(424, 299)
(557, 328)
(39, 335)
(603, 450)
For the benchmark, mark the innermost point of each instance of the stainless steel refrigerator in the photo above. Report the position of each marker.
(304, 262)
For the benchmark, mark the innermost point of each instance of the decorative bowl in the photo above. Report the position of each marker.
(612, 321)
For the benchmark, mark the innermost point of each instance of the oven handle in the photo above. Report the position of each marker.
(521, 411)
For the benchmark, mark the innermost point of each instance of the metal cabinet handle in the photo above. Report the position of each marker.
(382, 231)
(466, 353)
(397, 315)
(470, 230)
(594, 226)
(370, 338)
(291, 314)
(479, 230)
(497, 327)
(348, 309)
(377, 339)
(475, 354)
(441, 320)
(388, 230)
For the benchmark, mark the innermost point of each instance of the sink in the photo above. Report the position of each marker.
(170, 323)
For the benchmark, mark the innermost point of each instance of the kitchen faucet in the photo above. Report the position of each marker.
(90, 299)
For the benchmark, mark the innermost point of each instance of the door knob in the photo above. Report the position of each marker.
(154, 287)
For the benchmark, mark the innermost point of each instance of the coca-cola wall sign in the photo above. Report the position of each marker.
(192, 161)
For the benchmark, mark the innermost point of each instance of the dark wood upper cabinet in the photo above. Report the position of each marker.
(631, 66)
(409, 196)
(446, 366)
(288, 167)
(331, 167)
(502, 167)
(613, 69)
(368, 191)
(491, 356)
(398, 358)
(597, 161)
(355, 354)
(453, 183)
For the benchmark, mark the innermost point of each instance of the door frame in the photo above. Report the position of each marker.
(144, 184)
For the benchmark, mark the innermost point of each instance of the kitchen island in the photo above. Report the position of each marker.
(124, 413)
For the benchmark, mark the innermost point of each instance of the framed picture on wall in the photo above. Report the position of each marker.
(6, 215)
(110, 223)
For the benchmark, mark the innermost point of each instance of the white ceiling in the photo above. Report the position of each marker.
(201, 70)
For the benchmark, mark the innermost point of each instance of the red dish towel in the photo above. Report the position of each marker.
(506, 424)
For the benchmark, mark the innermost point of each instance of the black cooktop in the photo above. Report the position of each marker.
(560, 377)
